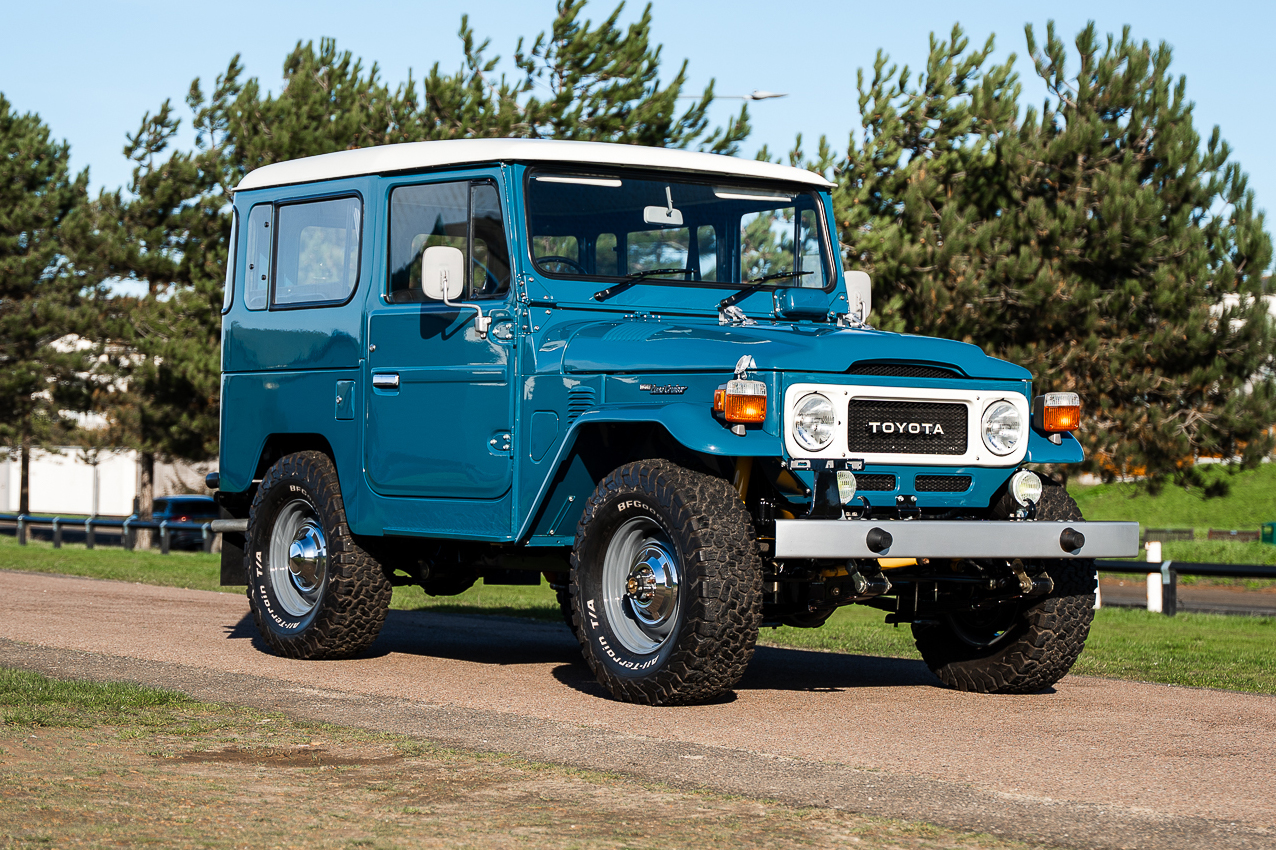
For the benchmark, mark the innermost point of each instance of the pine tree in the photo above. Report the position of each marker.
(1096, 242)
(170, 229)
(39, 292)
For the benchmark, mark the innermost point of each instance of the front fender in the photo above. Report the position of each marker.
(1041, 450)
(691, 425)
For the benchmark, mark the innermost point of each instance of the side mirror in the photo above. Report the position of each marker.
(859, 295)
(442, 273)
(443, 278)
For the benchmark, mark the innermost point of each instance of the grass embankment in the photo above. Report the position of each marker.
(120, 765)
(1191, 649)
(1250, 502)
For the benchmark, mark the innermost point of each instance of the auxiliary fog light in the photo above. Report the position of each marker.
(845, 485)
(1003, 427)
(813, 422)
(1025, 486)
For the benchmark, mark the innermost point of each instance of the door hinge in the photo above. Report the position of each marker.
(501, 444)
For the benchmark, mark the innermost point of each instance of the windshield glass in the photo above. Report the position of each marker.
(675, 228)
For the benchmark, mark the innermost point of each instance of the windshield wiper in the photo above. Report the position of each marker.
(631, 279)
(755, 284)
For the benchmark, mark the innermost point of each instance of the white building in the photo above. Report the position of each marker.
(64, 482)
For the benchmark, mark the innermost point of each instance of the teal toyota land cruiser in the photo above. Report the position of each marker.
(644, 375)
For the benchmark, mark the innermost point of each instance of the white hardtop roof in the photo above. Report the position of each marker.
(416, 156)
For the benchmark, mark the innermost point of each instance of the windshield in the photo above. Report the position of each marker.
(675, 228)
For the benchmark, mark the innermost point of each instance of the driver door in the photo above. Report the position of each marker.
(440, 411)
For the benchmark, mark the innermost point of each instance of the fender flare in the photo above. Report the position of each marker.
(689, 424)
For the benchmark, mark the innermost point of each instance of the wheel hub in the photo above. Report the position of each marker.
(652, 585)
(308, 555)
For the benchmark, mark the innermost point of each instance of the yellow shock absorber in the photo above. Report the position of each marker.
(743, 469)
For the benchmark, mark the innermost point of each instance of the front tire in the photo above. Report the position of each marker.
(666, 584)
(315, 593)
(1018, 647)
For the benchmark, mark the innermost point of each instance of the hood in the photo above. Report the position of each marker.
(644, 346)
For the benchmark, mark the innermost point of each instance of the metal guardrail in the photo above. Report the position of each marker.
(1163, 597)
(128, 526)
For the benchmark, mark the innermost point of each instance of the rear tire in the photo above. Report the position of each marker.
(666, 584)
(1020, 647)
(314, 592)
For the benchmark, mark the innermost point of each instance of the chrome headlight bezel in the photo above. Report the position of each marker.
(808, 440)
(1000, 441)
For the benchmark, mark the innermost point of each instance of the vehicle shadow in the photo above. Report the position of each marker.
(496, 640)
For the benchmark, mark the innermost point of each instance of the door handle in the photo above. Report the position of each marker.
(386, 380)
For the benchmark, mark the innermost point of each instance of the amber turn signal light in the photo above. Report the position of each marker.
(1055, 412)
(741, 402)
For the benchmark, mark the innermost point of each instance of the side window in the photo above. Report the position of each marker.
(808, 250)
(459, 215)
(317, 258)
(232, 251)
(490, 261)
(257, 275)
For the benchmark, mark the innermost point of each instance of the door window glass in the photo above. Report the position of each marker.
(490, 266)
(317, 259)
(257, 275)
(440, 214)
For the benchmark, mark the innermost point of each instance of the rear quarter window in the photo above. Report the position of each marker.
(317, 252)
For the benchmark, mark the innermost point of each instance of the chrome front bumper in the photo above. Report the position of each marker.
(834, 538)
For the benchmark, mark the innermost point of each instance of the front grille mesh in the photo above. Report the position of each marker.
(875, 483)
(942, 483)
(906, 427)
(902, 370)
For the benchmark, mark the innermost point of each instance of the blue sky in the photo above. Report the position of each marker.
(91, 69)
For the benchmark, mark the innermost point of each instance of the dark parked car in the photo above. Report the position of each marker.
(199, 509)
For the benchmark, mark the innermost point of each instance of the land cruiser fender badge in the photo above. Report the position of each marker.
(663, 389)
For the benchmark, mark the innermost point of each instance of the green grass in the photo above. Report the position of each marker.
(1251, 502)
(29, 699)
(195, 570)
(1190, 649)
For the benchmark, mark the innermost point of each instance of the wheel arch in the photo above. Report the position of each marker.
(605, 438)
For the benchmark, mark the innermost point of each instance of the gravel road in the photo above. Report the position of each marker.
(1094, 763)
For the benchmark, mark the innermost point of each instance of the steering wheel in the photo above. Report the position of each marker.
(565, 261)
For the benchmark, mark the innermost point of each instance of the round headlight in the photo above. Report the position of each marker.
(1003, 427)
(1025, 486)
(814, 422)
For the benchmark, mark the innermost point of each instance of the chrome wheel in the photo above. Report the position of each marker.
(641, 584)
(298, 558)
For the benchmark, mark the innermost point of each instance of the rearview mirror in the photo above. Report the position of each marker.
(665, 216)
(442, 272)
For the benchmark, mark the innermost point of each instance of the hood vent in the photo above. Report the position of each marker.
(903, 370)
(579, 399)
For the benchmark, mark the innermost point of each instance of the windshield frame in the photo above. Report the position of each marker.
(832, 266)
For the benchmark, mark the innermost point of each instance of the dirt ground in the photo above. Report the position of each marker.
(1092, 763)
(288, 786)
